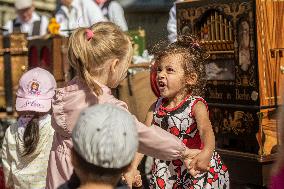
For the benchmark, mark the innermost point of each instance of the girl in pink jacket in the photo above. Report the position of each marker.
(100, 56)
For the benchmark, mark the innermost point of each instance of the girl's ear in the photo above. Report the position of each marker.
(113, 65)
(191, 79)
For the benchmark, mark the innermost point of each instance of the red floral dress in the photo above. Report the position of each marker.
(180, 122)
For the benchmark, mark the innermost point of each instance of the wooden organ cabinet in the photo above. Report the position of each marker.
(245, 39)
(51, 54)
(13, 63)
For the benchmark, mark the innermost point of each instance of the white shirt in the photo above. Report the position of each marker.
(172, 23)
(68, 18)
(27, 27)
(26, 171)
(91, 12)
(116, 14)
(83, 13)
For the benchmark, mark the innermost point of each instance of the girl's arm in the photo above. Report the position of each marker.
(158, 143)
(148, 120)
(131, 173)
(202, 160)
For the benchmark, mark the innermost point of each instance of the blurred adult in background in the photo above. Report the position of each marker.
(27, 20)
(114, 12)
(78, 13)
(172, 23)
(66, 16)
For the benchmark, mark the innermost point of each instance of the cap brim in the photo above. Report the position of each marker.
(36, 105)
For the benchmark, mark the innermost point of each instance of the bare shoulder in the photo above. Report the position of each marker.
(200, 109)
(200, 105)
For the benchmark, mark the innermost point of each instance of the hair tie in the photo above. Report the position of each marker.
(89, 34)
(196, 44)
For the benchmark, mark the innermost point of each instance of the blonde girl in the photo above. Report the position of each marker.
(100, 55)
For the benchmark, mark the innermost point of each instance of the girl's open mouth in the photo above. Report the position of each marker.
(161, 85)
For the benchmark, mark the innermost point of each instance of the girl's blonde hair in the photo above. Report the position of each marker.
(87, 55)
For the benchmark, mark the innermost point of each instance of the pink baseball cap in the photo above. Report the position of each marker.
(36, 90)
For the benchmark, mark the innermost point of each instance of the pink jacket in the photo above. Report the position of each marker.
(67, 104)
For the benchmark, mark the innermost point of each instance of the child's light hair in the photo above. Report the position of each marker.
(88, 56)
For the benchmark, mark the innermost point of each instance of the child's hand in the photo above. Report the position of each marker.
(137, 182)
(193, 172)
(201, 162)
(132, 177)
(188, 156)
(190, 153)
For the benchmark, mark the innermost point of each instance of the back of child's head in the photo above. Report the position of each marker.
(90, 48)
(193, 56)
(34, 96)
(105, 142)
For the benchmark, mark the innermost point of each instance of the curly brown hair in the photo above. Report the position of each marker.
(194, 57)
